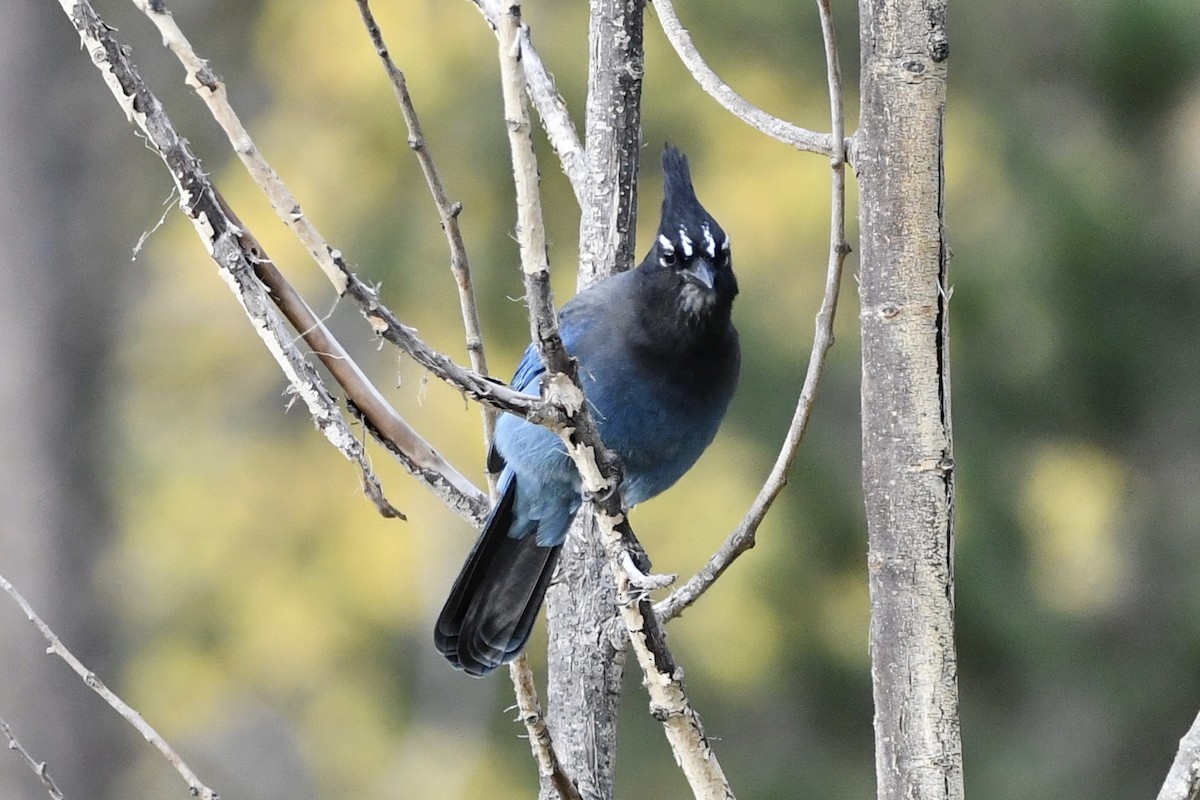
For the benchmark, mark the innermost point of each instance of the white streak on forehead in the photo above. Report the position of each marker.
(666, 244)
(725, 244)
(710, 245)
(686, 242)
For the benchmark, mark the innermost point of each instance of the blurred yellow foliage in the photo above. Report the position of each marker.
(1071, 505)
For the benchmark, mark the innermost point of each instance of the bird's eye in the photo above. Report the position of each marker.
(668, 258)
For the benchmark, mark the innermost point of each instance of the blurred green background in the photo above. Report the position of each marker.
(198, 543)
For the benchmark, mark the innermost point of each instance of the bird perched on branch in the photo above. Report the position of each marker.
(658, 359)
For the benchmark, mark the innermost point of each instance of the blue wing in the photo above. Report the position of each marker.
(546, 486)
(529, 372)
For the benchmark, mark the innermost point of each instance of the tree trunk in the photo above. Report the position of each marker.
(907, 458)
(585, 665)
(613, 139)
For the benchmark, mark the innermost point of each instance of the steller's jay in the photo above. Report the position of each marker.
(658, 359)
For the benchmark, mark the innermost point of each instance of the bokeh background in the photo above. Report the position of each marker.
(191, 536)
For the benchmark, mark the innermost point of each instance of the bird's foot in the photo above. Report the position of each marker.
(640, 580)
(636, 565)
(616, 472)
(601, 497)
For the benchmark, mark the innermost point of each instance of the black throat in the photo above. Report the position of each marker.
(680, 319)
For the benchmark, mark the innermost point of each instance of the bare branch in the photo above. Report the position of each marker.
(1183, 781)
(743, 109)
(531, 237)
(152, 736)
(742, 538)
(540, 743)
(39, 767)
(198, 201)
(413, 452)
(669, 703)
(585, 664)
(531, 229)
(595, 463)
(447, 211)
(551, 108)
(212, 91)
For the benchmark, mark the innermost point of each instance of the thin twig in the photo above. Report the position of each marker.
(552, 111)
(663, 677)
(212, 90)
(561, 381)
(198, 201)
(39, 767)
(1183, 781)
(540, 742)
(414, 453)
(742, 538)
(152, 736)
(477, 387)
(551, 108)
(743, 109)
(531, 228)
(560, 386)
(531, 237)
(447, 211)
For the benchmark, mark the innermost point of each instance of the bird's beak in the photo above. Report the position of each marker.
(701, 271)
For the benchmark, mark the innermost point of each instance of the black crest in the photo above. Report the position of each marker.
(686, 224)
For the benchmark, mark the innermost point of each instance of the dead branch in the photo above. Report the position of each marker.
(551, 108)
(448, 211)
(131, 716)
(742, 537)
(778, 129)
(40, 768)
(199, 203)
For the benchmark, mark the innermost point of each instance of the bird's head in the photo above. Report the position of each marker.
(691, 250)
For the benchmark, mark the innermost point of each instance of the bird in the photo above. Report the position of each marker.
(658, 359)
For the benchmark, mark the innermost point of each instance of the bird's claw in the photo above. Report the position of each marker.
(640, 580)
(616, 472)
(601, 497)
